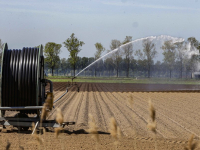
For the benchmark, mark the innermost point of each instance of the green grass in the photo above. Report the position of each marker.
(124, 80)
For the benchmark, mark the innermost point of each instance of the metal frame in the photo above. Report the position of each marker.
(27, 122)
(40, 75)
(21, 108)
(5, 47)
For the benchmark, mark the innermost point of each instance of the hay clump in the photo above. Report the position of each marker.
(57, 131)
(8, 145)
(59, 116)
(93, 129)
(130, 100)
(115, 131)
(152, 124)
(191, 145)
(36, 136)
(59, 120)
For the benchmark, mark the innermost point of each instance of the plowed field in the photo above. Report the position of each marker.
(177, 115)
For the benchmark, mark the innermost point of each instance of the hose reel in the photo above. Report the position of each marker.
(22, 80)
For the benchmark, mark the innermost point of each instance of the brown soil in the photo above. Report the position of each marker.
(177, 117)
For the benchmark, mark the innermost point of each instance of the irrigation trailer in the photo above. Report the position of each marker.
(23, 88)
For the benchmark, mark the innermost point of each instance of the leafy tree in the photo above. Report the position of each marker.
(142, 67)
(64, 65)
(79, 63)
(97, 55)
(90, 60)
(51, 52)
(109, 65)
(128, 52)
(169, 54)
(117, 55)
(194, 43)
(193, 63)
(194, 59)
(149, 53)
(84, 62)
(133, 65)
(73, 46)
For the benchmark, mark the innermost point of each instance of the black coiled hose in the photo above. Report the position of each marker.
(22, 72)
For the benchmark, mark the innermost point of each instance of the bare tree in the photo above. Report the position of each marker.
(149, 53)
(97, 55)
(117, 55)
(128, 52)
(169, 54)
(191, 64)
(181, 54)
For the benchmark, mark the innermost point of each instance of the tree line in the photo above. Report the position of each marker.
(127, 62)
(124, 61)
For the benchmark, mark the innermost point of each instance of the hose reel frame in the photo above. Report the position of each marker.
(23, 76)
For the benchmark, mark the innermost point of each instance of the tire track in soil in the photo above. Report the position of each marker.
(169, 124)
(123, 122)
(69, 93)
(163, 124)
(181, 112)
(160, 125)
(143, 127)
(105, 114)
(187, 130)
(82, 117)
(63, 102)
(172, 124)
(93, 108)
(71, 114)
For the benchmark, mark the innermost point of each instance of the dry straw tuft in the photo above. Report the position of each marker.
(33, 126)
(20, 147)
(152, 124)
(38, 139)
(93, 129)
(57, 131)
(114, 130)
(191, 145)
(44, 112)
(8, 145)
(131, 103)
(130, 100)
(152, 111)
(119, 133)
(36, 136)
(59, 116)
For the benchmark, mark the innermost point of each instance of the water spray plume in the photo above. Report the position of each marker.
(162, 37)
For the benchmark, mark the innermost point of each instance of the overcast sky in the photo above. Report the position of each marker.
(28, 23)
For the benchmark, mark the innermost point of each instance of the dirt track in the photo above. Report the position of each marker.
(177, 114)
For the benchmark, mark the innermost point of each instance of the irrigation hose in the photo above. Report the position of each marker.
(19, 77)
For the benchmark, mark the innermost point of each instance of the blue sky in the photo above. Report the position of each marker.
(32, 22)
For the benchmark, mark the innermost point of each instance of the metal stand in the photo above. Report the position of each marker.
(27, 122)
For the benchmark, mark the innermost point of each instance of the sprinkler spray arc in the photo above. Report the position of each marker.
(174, 39)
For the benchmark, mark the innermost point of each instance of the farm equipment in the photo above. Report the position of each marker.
(23, 88)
